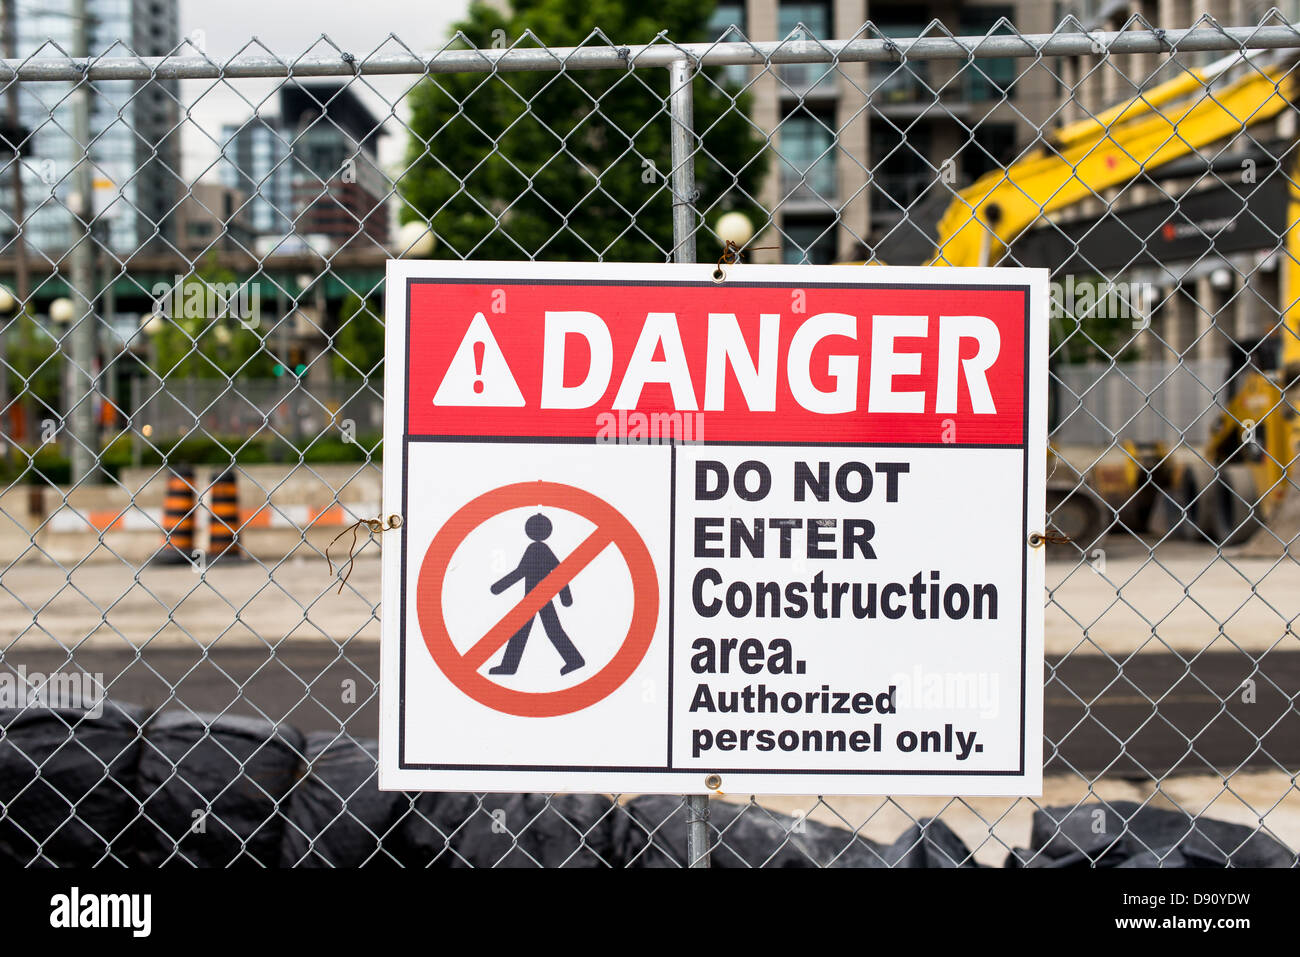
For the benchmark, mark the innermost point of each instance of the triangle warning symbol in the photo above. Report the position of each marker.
(478, 374)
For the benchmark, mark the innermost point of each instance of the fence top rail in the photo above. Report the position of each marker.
(660, 54)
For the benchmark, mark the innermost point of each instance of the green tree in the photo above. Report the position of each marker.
(1092, 325)
(573, 165)
(205, 336)
(34, 370)
(359, 344)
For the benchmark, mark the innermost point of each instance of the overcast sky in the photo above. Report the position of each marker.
(290, 28)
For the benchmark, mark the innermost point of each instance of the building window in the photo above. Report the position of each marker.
(807, 151)
(726, 15)
(809, 241)
(907, 82)
(992, 146)
(815, 16)
(900, 167)
(727, 25)
(807, 21)
(988, 78)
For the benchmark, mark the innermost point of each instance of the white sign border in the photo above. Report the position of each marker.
(394, 559)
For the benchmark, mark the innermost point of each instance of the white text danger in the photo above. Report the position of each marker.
(821, 379)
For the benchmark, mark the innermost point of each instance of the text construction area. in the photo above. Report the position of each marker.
(662, 534)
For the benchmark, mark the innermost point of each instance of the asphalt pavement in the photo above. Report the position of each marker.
(1157, 714)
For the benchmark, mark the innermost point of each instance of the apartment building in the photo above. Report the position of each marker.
(133, 124)
(213, 218)
(860, 147)
(255, 163)
(312, 171)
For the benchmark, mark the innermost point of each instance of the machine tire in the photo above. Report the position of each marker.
(1229, 512)
(1179, 506)
(1076, 513)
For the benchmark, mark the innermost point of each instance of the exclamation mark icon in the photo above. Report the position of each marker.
(480, 349)
(478, 374)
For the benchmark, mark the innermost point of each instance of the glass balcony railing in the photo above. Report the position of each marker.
(813, 184)
(993, 80)
(894, 83)
(806, 78)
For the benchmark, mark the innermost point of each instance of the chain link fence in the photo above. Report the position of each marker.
(183, 681)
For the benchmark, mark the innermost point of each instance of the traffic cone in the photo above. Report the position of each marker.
(223, 539)
(178, 518)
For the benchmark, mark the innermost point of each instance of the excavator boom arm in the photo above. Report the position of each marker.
(1170, 121)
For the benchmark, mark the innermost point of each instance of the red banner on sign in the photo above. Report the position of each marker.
(731, 362)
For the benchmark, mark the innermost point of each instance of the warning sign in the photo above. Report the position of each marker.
(773, 532)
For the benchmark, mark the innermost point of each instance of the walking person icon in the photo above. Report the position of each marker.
(537, 562)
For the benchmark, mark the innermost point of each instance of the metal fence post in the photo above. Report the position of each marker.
(84, 438)
(682, 147)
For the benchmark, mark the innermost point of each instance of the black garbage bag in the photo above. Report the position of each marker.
(1160, 857)
(929, 843)
(214, 789)
(653, 834)
(66, 785)
(337, 816)
(510, 830)
(1116, 833)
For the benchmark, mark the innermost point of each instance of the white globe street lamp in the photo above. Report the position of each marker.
(151, 324)
(415, 240)
(735, 228)
(62, 310)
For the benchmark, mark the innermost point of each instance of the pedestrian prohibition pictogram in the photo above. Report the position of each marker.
(545, 579)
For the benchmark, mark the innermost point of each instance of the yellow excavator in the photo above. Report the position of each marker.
(1221, 493)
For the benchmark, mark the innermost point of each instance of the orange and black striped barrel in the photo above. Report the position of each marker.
(178, 516)
(223, 538)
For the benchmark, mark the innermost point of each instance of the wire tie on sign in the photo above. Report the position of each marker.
(374, 525)
(1039, 539)
(731, 256)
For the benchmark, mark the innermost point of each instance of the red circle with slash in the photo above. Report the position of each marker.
(462, 669)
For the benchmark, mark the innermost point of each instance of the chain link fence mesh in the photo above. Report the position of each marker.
(174, 324)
